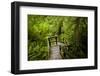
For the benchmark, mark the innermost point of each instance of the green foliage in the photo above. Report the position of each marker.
(37, 52)
(69, 30)
(77, 41)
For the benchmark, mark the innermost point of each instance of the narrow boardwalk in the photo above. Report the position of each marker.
(55, 53)
(54, 48)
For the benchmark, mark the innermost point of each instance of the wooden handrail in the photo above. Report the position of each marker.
(52, 37)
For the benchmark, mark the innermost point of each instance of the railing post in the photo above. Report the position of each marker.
(49, 42)
(56, 40)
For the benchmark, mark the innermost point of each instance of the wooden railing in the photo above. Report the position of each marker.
(52, 39)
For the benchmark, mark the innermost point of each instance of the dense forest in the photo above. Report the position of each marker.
(70, 30)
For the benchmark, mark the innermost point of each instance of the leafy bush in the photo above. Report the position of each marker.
(37, 52)
(70, 30)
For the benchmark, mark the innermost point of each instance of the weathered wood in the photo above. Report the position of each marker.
(55, 53)
(50, 40)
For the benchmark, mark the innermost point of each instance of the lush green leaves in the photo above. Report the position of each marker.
(69, 29)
